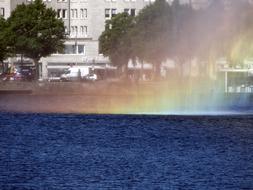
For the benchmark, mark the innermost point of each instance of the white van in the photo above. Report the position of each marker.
(75, 73)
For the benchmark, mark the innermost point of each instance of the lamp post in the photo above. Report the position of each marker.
(39, 65)
(69, 16)
(76, 47)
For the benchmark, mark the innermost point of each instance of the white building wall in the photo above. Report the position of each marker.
(5, 8)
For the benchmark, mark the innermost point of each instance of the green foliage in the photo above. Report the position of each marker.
(152, 33)
(145, 37)
(179, 32)
(240, 42)
(115, 40)
(34, 31)
(3, 42)
(224, 31)
(184, 30)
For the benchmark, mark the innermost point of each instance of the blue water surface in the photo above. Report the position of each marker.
(64, 151)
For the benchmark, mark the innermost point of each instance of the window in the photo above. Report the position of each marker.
(74, 13)
(114, 12)
(59, 13)
(2, 12)
(83, 31)
(70, 49)
(64, 13)
(74, 49)
(83, 13)
(110, 13)
(132, 13)
(107, 13)
(126, 11)
(73, 31)
(80, 49)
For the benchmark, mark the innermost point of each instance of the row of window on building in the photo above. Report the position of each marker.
(81, 31)
(63, 13)
(87, 0)
(74, 49)
(130, 0)
(112, 12)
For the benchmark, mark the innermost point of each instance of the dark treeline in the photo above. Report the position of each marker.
(179, 32)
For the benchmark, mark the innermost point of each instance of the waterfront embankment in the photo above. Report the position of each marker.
(119, 97)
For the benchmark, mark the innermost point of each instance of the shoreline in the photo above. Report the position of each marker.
(106, 97)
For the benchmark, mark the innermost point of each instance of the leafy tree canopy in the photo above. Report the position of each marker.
(177, 31)
(152, 34)
(115, 40)
(34, 30)
(184, 31)
(3, 42)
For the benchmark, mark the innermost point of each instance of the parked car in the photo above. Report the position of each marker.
(91, 77)
(75, 73)
(27, 72)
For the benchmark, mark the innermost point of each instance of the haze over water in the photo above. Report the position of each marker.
(144, 98)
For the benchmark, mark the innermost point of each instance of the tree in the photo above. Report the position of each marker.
(184, 34)
(223, 31)
(115, 41)
(3, 43)
(34, 31)
(240, 40)
(210, 35)
(151, 35)
(3, 46)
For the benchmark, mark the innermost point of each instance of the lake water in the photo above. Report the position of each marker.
(67, 151)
